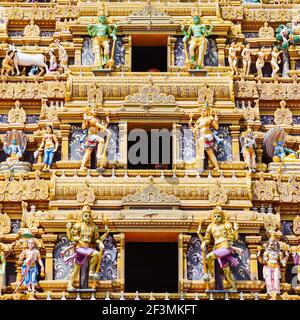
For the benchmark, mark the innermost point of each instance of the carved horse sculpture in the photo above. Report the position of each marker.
(21, 59)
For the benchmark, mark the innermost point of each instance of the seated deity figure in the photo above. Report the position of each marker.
(84, 234)
(53, 62)
(248, 143)
(14, 146)
(272, 258)
(205, 137)
(49, 146)
(92, 140)
(223, 234)
(197, 32)
(100, 34)
(30, 258)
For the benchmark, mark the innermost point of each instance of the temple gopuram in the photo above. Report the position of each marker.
(150, 150)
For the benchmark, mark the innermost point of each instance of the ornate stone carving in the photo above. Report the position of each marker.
(266, 31)
(4, 222)
(283, 115)
(23, 190)
(205, 94)
(16, 115)
(263, 190)
(217, 194)
(31, 30)
(246, 89)
(150, 195)
(289, 191)
(251, 113)
(95, 94)
(232, 12)
(272, 91)
(293, 89)
(150, 95)
(296, 226)
(85, 194)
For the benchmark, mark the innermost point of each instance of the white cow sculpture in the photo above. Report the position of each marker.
(21, 59)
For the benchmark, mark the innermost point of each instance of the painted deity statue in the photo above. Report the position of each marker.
(232, 57)
(248, 148)
(92, 140)
(84, 234)
(14, 146)
(2, 267)
(100, 34)
(272, 258)
(223, 234)
(49, 146)
(197, 32)
(296, 258)
(260, 61)
(205, 137)
(30, 258)
(53, 62)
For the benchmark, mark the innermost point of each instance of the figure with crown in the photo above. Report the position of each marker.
(272, 259)
(248, 143)
(92, 126)
(84, 234)
(197, 32)
(100, 33)
(223, 234)
(204, 132)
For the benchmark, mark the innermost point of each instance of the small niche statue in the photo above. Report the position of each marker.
(100, 34)
(205, 136)
(92, 126)
(49, 146)
(14, 146)
(84, 234)
(248, 143)
(197, 32)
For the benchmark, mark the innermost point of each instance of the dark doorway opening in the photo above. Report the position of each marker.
(151, 267)
(149, 58)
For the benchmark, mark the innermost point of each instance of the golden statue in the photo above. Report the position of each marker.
(92, 140)
(266, 31)
(84, 234)
(16, 115)
(205, 136)
(223, 234)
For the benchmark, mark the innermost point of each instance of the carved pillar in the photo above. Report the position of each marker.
(171, 48)
(221, 51)
(235, 133)
(78, 47)
(253, 242)
(259, 153)
(17, 252)
(176, 144)
(127, 41)
(123, 142)
(65, 131)
(120, 240)
(180, 263)
(49, 243)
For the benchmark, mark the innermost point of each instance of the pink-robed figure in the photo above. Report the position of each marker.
(84, 235)
(224, 234)
(272, 258)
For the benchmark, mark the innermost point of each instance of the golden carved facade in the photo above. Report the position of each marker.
(168, 201)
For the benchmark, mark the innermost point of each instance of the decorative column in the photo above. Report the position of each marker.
(221, 51)
(120, 240)
(176, 143)
(235, 134)
(180, 262)
(253, 242)
(259, 152)
(127, 41)
(171, 48)
(78, 47)
(49, 243)
(123, 142)
(65, 131)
